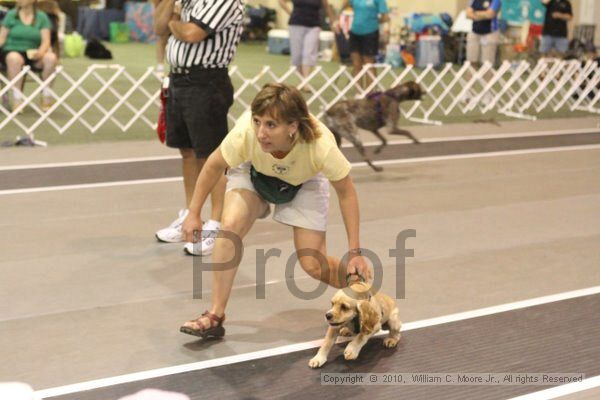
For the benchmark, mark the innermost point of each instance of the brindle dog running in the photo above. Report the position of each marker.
(371, 113)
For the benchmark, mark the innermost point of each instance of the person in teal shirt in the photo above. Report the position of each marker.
(364, 32)
(25, 40)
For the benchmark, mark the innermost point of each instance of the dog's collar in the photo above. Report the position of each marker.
(377, 95)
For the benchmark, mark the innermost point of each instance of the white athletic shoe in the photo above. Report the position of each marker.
(205, 246)
(467, 97)
(488, 98)
(173, 232)
(16, 391)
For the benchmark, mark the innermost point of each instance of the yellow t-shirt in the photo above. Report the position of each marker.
(298, 166)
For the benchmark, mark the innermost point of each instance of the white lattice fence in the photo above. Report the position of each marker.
(109, 94)
(102, 93)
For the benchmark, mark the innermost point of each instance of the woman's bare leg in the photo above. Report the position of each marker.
(314, 259)
(242, 207)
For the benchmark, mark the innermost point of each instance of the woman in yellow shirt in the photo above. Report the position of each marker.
(277, 153)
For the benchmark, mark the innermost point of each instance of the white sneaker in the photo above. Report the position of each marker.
(205, 246)
(173, 232)
(488, 98)
(467, 97)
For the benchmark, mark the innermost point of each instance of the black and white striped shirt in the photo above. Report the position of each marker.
(222, 20)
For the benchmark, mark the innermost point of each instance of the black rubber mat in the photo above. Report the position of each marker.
(75, 175)
(560, 337)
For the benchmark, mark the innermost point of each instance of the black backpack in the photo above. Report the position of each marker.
(96, 50)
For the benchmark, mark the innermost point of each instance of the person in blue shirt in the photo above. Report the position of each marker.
(364, 32)
(482, 42)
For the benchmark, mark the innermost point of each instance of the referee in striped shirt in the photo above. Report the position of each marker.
(203, 41)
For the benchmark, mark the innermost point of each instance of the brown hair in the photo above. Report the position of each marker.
(285, 103)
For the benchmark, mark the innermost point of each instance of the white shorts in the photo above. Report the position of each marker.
(481, 48)
(309, 209)
(304, 45)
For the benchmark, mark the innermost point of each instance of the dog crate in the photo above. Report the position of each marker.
(585, 34)
(430, 50)
(326, 40)
(278, 41)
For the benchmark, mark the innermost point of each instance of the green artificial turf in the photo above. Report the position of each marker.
(137, 58)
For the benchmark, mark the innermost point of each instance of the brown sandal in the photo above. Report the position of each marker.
(202, 331)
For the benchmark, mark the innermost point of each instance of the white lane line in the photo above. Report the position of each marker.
(344, 145)
(482, 137)
(89, 185)
(155, 373)
(480, 155)
(510, 135)
(356, 164)
(84, 163)
(561, 391)
(501, 308)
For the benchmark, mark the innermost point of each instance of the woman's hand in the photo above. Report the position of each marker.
(192, 224)
(177, 9)
(38, 55)
(358, 265)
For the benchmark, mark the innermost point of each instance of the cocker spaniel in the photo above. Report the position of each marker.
(363, 314)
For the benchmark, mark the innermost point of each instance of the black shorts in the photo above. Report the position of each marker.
(197, 107)
(23, 54)
(365, 45)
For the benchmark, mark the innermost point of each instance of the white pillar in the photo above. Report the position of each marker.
(587, 12)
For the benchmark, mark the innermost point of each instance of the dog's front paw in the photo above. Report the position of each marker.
(317, 361)
(390, 342)
(351, 353)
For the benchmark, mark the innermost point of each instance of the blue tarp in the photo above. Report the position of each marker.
(418, 22)
(96, 23)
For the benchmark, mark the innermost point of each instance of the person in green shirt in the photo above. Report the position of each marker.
(25, 40)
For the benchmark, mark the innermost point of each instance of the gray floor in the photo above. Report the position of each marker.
(87, 292)
(591, 394)
(519, 340)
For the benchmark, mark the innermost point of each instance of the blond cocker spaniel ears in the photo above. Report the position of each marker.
(369, 317)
